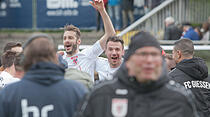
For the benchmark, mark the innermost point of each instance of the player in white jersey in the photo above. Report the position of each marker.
(114, 51)
(85, 60)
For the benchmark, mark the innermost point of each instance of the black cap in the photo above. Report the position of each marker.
(140, 40)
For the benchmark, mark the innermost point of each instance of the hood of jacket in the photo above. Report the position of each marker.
(45, 73)
(123, 76)
(195, 68)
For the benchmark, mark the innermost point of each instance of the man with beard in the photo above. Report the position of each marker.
(141, 87)
(85, 60)
(43, 91)
(114, 51)
(192, 73)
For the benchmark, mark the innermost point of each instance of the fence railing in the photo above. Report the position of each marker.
(166, 45)
(195, 11)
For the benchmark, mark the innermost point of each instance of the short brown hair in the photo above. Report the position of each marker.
(8, 59)
(10, 45)
(186, 46)
(40, 49)
(74, 29)
(115, 39)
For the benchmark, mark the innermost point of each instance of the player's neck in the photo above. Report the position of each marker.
(72, 54)
(114, 65)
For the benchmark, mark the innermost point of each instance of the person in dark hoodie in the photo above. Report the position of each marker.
(192, 73)
(140, 87)
(42, 92)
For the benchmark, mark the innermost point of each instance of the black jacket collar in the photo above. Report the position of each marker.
(45, 73)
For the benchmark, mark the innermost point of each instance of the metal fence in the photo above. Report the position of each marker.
(194, 11)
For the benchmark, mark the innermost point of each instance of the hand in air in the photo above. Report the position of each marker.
(97, 4)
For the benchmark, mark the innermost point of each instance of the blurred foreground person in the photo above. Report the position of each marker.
(42, 92)
(141, 88)
(192, 72)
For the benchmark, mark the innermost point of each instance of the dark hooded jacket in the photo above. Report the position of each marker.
(193, 73)
(42, 92)
(126, 97)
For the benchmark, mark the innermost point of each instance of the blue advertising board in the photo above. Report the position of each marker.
(49, 13)
(57, 13)
(16, 14)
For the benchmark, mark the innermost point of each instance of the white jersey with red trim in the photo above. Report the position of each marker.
(85, 60)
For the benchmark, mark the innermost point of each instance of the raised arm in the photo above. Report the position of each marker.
(109, 29)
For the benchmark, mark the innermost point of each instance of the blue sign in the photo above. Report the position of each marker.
(57, 13)
(16, 14)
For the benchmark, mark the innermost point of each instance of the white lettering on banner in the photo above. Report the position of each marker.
(34, 110)
(197, 84)
(62, 8)
(56, 4)
(85, 3)
(14, 4)
(62, 13)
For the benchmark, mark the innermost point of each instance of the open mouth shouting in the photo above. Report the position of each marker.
(68, 47)
(114, 59)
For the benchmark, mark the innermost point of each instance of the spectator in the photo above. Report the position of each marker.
(98, 21)
(139, 7)
(85, 60)
(114, 12)
(191, 72)
(43, 90)
(172, 32)
(127, 12)
(150, 4)
(141, 88)
(189, 32)
(198, 31)
(7, 75)
(206, 31)
(114, 51)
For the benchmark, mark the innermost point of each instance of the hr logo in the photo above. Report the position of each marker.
(34, 110)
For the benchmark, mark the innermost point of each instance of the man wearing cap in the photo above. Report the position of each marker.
(141, 89)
